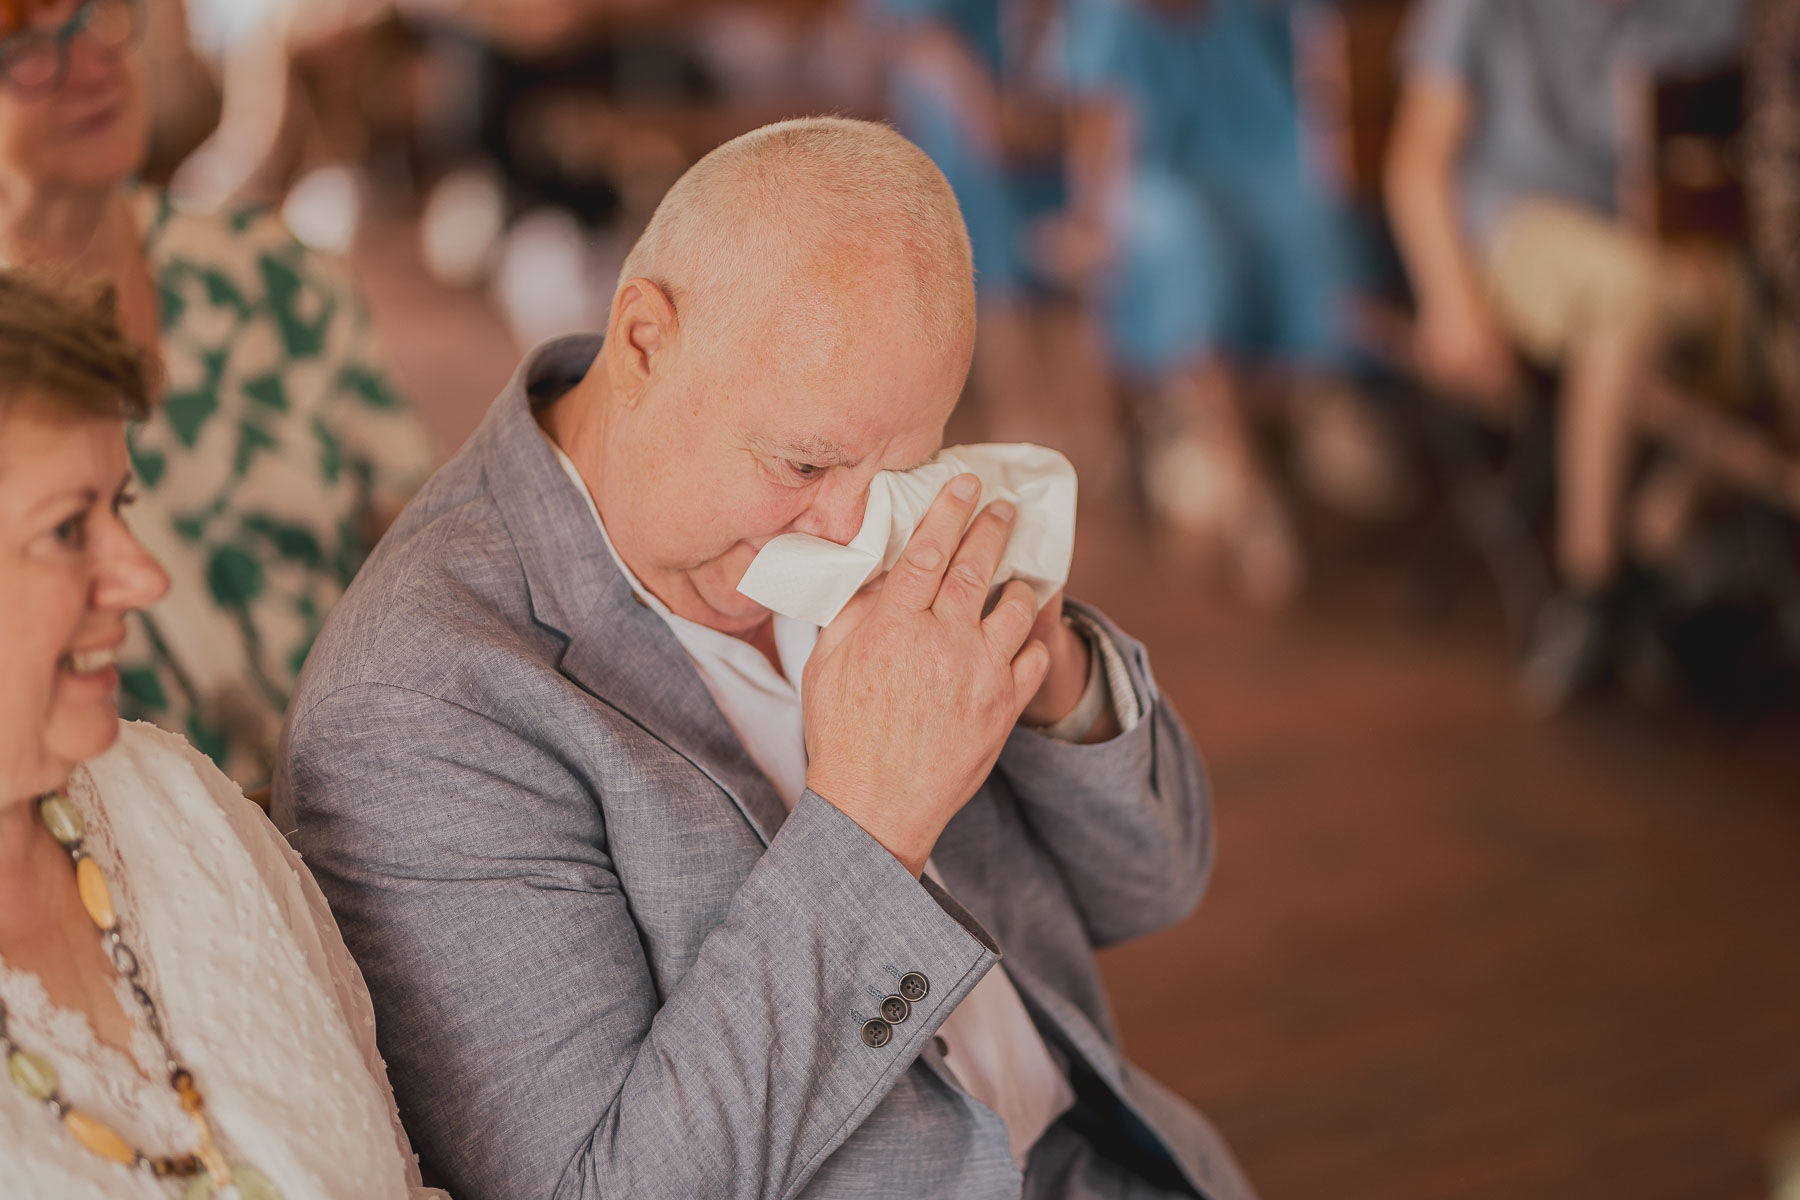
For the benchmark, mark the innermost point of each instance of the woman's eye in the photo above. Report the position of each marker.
(123, 501)
(73, 532)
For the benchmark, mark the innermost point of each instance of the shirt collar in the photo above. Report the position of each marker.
(697, 638)
(643, 594)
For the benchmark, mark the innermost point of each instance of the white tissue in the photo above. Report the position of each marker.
(811, 579)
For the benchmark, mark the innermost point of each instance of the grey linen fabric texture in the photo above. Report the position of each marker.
(605, 961)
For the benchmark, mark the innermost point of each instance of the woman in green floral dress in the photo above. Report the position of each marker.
(278, 448)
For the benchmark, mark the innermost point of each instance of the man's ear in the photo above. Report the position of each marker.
(642, 329)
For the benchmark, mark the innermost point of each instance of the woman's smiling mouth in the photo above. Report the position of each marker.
(90, 662)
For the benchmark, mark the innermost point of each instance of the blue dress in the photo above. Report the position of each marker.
(999, 201)
(1227, 244)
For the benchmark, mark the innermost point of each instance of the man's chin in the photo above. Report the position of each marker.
(739, 614)
(729, 610)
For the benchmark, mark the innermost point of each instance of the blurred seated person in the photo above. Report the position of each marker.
(968, 86)
(184, 96)
(177, 1011)
(1503, 187)
(1774, 188)
(272, 124)
(276, 449)
(1216, 248)
(249, 46)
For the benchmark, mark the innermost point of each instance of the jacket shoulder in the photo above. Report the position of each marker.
(438, 607)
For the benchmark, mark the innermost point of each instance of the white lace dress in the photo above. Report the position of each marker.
(258, 995)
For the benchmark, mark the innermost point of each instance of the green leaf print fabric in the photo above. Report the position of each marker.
(276, 438)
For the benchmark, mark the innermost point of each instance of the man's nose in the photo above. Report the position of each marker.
(129, 576)
(836, 512)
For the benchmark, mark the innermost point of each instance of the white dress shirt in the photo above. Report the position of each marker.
(994, 1050)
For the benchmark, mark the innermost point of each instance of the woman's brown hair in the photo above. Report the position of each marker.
(65, 355)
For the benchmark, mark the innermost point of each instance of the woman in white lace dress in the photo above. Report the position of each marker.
(178, 1015)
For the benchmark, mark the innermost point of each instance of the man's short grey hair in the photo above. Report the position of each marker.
(818, 204)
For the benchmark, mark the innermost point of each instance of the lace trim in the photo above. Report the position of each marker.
(126, 1088)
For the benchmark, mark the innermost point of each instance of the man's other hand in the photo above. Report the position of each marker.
(1067, 678)
(911, 691)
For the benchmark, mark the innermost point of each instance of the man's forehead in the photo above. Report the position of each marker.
(883, 399)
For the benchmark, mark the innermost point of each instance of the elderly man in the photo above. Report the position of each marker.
(656, 896)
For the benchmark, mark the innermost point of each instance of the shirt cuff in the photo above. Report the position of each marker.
(1108, 679)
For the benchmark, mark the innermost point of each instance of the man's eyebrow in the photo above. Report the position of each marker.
(817, 452)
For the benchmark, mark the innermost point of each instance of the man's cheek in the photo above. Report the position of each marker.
(770, 515)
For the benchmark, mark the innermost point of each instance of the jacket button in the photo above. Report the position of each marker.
(943, 1047)
(895, 1010)
(877, 1033)
(913, 987)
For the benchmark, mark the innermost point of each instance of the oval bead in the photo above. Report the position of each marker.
(247, 1183)
(99, 1137)
(31, 1075)
(96, 896)
(62, 819)
(191, 1102)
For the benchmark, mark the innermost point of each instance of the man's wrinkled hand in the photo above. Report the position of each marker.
(912, 691)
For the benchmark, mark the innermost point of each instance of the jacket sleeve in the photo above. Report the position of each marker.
(1127, 821)
(530, 1050)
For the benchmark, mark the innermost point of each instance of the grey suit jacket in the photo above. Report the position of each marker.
(607, 963)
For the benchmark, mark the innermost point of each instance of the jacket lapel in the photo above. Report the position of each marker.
(618, 650)
(632, 662)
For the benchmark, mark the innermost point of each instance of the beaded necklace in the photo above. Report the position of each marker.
(205, 1166)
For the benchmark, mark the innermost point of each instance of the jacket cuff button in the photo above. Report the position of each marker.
(914, 987)
(877, 1033)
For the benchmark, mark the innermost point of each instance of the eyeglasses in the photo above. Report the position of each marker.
(34, 61)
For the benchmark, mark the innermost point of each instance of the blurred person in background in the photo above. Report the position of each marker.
(1503, 186)
(276, 450)
(969, 85)
(177, 1010)
(183, 94)
(1215, 251)
(1774, 188)
(268, 127)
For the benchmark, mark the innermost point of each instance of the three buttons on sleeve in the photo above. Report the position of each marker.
(879, 1031)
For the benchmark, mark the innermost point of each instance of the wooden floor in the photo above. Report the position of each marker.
(1448, 953)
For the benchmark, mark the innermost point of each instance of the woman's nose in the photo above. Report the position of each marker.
(90, 64)
(129, 576)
